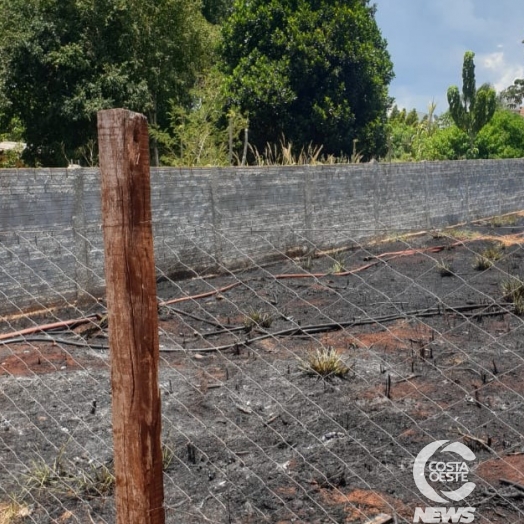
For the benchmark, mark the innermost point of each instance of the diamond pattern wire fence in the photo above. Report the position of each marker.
(295, 390)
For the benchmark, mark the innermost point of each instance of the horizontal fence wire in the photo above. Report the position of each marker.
(299, 386)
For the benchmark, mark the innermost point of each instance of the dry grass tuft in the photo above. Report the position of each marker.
(14, 512)
(282, 154)
(324, 363)
(339, 263)
(257, 319)
(461, 234)
(488, 257)
(62, 477)
(167, 457)
(513, 291)
(504, 220)
(445, 269)
(98, 481)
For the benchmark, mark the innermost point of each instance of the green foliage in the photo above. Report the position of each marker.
(512, 96)
(316, 72)
(62, 61)
(407, 135)
(472, 110)
(449, 143)
(412, 118)
(14, 132)
(503, 137)
(216, 11)
(12, 158)
(400, 140)
(199, 135)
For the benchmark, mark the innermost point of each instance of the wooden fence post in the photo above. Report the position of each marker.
(132, 315)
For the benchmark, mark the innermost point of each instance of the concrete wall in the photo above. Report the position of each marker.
(51, 248)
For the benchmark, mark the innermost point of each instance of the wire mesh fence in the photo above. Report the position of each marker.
(302, 389)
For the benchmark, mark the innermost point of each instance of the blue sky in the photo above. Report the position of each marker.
(427, 40)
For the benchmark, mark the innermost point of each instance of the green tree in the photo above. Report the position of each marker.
(400, 139)
(202, 134)
(502, 137)
(412, 118)
(62, 60)
(314, 71)
(472, 110)
(216, 11)
(513, 95)
(407, 135)
(448, 143)
(12, 132)
(394, 114)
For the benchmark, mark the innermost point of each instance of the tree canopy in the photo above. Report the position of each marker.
(501, 137)
(314, 71)
(513, 95)
(300, 75)
(472, 109)
(62, 61)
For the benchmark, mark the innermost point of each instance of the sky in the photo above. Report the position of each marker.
(427, 40)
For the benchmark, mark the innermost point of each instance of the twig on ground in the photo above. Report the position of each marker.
(244, 409)
(224, 327)
(407, 379)
(512, 483)
(480, 441)
(201, 295)
(271, 419)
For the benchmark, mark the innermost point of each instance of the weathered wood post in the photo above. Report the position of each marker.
(132, 316)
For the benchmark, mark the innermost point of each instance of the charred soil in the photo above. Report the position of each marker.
(432, 345)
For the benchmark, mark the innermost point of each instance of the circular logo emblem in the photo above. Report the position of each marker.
(456, 471)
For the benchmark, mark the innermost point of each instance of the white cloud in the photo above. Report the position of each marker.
(499, 70)
(428, 57)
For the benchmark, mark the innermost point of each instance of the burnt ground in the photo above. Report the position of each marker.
(435, 353)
